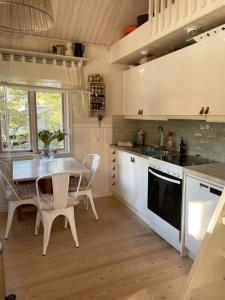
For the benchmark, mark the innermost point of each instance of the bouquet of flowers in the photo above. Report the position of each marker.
(47, 136)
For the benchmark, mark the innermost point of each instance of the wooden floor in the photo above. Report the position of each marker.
(118, 257)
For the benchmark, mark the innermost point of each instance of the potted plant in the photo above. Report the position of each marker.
(47, 136)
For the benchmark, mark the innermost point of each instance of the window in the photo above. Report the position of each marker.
(49, 110)
(15, 124)
(27, 113)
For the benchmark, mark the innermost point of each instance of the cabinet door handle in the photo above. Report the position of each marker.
(113, 176)
(202, 110)
(139, 112)
(206, 110)
(215, 191)
(114, 160)
(204, 186)
(132, 159)
(114, 152)
(113, 183)
(113, 168)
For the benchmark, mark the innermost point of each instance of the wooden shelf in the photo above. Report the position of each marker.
(212, 291)
(44, 55)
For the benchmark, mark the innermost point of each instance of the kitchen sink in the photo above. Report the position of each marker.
(147, 150)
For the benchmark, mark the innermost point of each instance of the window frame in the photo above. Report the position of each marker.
(66, 124)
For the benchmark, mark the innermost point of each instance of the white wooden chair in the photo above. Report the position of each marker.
(60, 202)
(92, 161)
(5, 168)
(16, 195)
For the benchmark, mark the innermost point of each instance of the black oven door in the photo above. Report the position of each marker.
(165, 196)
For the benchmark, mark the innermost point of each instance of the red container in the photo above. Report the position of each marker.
(129, 29)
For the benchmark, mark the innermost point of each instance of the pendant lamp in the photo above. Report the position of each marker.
(26, 15)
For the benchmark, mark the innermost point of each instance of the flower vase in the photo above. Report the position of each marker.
(46, 153)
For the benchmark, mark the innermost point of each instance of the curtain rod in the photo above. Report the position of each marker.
(41, 88)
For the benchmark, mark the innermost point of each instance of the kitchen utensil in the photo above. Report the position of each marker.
(60, 50)
(69, 50)
(79, 49)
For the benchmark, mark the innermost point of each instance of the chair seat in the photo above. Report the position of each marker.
(47, 201)
(74, 183)
(24, 191)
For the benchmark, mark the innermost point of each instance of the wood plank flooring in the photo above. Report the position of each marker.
(119, 258)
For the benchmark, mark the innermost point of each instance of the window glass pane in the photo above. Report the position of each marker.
(49, 115)
(15, 125)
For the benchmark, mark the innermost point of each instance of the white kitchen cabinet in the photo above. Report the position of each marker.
(142, 91)
(131, 179)
(179, 84)
(201, 199)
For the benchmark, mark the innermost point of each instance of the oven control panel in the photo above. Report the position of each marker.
(166, 167)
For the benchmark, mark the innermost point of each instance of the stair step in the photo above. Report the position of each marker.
(212, 291)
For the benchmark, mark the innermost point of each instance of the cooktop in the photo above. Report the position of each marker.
(185, 160)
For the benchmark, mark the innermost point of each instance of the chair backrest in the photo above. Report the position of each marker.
(4, 167)
(60, 187)
(6, 183)
(92, 161)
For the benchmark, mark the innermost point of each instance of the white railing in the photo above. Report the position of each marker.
(165, 14)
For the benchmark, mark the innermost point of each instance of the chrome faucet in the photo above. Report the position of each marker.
(160, 129)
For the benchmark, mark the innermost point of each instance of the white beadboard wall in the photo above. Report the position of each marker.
(92, 139)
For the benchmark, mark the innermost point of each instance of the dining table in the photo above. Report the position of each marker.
(29, 170)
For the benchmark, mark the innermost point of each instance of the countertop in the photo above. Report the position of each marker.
(213, 172)
(135, 150)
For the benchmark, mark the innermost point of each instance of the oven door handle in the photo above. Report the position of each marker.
(165, 178)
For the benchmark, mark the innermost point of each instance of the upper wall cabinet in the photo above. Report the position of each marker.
(189, 82)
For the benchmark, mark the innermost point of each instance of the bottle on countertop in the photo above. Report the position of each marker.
(170, 144)
(141, 137)
(182, 146)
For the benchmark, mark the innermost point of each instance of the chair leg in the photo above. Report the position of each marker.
(89, 194)
(71, 219)
(47, 223)
(38, 221)
(65, 223)
(11, 209)
(86, 203)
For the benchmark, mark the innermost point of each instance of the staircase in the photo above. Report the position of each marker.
(206, 280)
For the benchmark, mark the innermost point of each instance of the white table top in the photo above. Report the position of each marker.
(32, 169)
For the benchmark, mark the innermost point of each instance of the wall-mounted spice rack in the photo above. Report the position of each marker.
(97, 95)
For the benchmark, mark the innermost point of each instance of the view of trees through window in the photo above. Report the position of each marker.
(15, 110)
(15, 125)
(49, 114)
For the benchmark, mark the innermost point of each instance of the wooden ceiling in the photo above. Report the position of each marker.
(93, 21)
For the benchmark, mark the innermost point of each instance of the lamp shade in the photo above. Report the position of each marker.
(26, 15)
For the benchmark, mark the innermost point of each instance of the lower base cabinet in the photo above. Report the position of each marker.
(201, 200)
(131, 179)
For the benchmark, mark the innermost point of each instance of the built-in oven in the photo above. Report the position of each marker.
(165, 196)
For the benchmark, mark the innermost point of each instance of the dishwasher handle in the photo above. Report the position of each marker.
(211, 189)
(215, 191)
